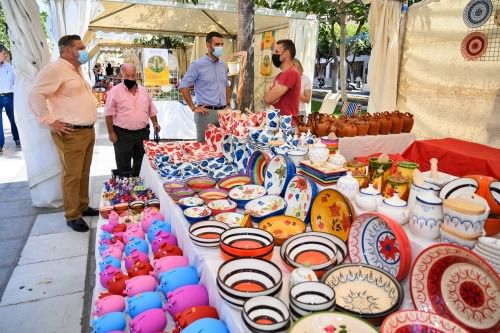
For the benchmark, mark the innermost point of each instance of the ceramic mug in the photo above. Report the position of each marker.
(273, 118)
(373, 166)
(427, 216)
(399, 185)
(406, 168)
(286, 122)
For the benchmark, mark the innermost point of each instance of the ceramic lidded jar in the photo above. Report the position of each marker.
(427, 216)
(394, 207)
(337, 160)
(318, 153)
(368, 198)
(348, 186)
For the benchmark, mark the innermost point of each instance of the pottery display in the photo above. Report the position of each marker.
(348, 186)
(265, 206)
(233, 220)
(282, 227)
(427, 216)
(374, 165)
(397, 122)
(246, 242)
(273, 317)
(279, 171)
(221, 206)
(385, 122)
(332, 322)
(407, 122)
(318, 153)
(227, 183)
(190, 202)
(213, 194)
(419, 321)
(299, 195)
(207, 233)
(356, 167)
(406, 168)
(397, 184)
(368, 198)
(466, 213)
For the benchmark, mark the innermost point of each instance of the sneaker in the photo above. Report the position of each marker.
(78, 225)
(18, 143)
(90, 212)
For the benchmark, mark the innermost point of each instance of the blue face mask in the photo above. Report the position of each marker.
(218, 51)
(83, 56)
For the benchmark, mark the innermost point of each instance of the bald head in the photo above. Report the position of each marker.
(128, 71)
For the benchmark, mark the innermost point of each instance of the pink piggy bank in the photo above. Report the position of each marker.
(148, 218)
(107, 275)
(139, 284)
(114, 218)
(134, 256)
(167, 263)
(113, 303)
(133, 230)
(162, 237)
(149, 321)
(185, 297)
(113, 250)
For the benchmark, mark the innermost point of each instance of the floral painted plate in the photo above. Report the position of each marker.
(232, 219)
(257, 164)
(282, 227)
(278, 173)
(379, 241)
(244, 193)
(456, 283)
(222, 206)
(266, 206)
(332, 322)
(331, 212)
(299, 195)
(190, 202)
(418, 321)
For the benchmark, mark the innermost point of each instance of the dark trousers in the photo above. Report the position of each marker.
(7, 102)
(129, 150)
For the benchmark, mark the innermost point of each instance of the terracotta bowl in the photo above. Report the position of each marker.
(105, 210)
(207, 233)
(190, 202)
(201, 183)
(213, 194)
(241, 279)
(246, 242)
(197, 214)
(222, 206)
(172, 186)
(227, 183)
(266, 314)
(264, 207)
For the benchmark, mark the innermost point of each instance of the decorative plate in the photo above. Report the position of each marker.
(299, 195)
(229, 182)
(458, 284)
(331, 212)
(190, 202)
(474, 45)
(266, 206)
(364, 290)
(222, 206)
(282, 227)
(231, 219)
(378, 240)
(418, 321)
(477, 12)
(247, 192)
(278, 173)
(257, 164)
(332, 322)
(199, 211)
(457, 187)
(201, 183)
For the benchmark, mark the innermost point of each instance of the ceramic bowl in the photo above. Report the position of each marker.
(282, 227)
(244, 278)
(264, 207)
(365, 291)
(153, 203)
(311, 235)
(207, 233)
(121, 207)
(312, 297)
(332, 322)
(190, 202)
(137, 206)
(296, 156)
(491, 244)
(201, 183)
(458, 186)
(448, 236)
(178, 194)
(266, 314)
(233, 220)
(227, 183)
(105, 210)
(463, 221)
(213, 194)
(196, 214)
(246, 242)
(172, 186)
(419, 321)
(222, 206)
(245, 193)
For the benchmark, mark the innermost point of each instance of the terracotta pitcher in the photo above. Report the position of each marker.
(385, 123)
(397, 122)
(374, 125)
(341, 128)
(408, 123)
(350, 129)
(332, 128)
(362, 127)
(322, 127)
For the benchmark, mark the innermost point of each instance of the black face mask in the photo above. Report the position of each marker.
(276, 60)
(129, 83)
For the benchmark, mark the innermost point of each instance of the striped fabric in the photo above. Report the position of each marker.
(351, 109)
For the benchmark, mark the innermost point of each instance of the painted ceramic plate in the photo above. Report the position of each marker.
(222, 206)
(331, 212)
(257, 164)
(200, 211)
(474, 45)
(229, 182)
(418, 321)
(477, 12)
(364, 290)
(278, 173)
(265, 206)
(282, 227)
(458, 284)
(232, 219)
(379, 241)
(332, 322)
(201, 183)
(457, 187)
(190, 202)
(247, 192)
(299, 195)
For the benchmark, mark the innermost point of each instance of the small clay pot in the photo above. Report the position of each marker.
(397, 122)
(322, 128)
(385, 124)
(362, 127)
(341, 128)
(374, 125)
(350, 130)
(407, 123)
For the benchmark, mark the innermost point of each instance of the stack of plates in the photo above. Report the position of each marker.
(255, 145)
(489, 248)
(326, 175)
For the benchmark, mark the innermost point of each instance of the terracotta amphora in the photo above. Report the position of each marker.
(350, 129)
(362, 127)
(408, 123)
(397, 122)
(374, 125)
(385, 123)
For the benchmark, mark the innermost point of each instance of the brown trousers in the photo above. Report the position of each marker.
(75, 151)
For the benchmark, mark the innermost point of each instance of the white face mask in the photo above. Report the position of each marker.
(218, 50)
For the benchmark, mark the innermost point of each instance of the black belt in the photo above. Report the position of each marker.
(211, 107)
(127, 130)
(80, 126)
(7, 94)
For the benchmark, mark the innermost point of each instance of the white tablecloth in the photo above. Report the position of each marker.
(367, 145)
(176, 120)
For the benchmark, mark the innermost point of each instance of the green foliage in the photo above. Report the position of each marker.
(4, 36)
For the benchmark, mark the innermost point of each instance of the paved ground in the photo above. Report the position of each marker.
(46, 269)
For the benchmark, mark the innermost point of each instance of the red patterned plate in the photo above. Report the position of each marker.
(474, 45)
(458, 284)
(409, 321)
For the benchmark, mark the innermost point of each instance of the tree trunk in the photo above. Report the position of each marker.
(343, 91)
(246, 27)
(335, 67)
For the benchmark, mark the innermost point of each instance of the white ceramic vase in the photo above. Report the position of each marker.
(348, 186)
(427, 216)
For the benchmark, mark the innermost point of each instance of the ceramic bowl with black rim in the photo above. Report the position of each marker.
(311, 296)
(456, 187)
(246, 242)
(207, 233)
(266, 314)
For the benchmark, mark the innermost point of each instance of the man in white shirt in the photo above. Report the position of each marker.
(305, 88)
(7, 78)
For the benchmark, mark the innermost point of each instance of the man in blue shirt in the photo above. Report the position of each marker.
(211, 87)
(7, 78)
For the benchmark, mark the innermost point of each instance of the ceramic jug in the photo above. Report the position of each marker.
(337, 160)
(427, 216)
(394, 207)
(318, 153)
(348, 186)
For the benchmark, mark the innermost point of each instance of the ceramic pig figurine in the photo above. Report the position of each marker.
(166, 250)
(192, 314)
(113, 303)
(150, 321)
(114, 218)
(109, 261)
(107, 274)
(167, 263)
(176, 278)
(184, 297)
(133, 230)
(158, 225)
(103, 245)
(149, 218)
(139, 284)
(105, 235)
(162, 237)
(116, 285)
(206, 325)
(113, 321)
(140, 268)
(136, 243)
(113, 250)
(134, 256)
(120, 228)
(142, 302)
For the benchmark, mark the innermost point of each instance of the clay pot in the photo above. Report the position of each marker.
(362, 127)
(340, 131)
(374, 125)
(397, 122)
(303, 129)
(407, 123)
(385, 124)
(322, 128)
(350, 129)
(333, 127)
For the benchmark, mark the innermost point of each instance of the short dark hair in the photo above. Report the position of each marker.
(211, 35)
(288, 45)
(3, 48)
(66, 41)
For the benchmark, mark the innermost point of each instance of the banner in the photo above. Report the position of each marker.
(266, 47)
(156, 67)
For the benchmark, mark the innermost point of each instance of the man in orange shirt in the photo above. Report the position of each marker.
(61, 99)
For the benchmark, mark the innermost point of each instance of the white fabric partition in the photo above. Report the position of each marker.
(360, 146)
(176, 121)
